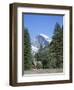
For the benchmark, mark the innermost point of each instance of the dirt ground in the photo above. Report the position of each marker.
(39, 71)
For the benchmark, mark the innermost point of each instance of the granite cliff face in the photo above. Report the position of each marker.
(40, 41)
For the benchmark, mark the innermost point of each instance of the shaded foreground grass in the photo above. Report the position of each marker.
(41, 71)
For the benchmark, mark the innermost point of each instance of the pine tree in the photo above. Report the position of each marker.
(56, 47)
(27, 51)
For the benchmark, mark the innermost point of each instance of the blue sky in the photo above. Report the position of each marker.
(41, 24)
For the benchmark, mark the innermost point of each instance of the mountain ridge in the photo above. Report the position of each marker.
(40, 40)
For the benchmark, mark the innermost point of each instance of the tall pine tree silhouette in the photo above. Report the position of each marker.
(27, 51)
(56, 47)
